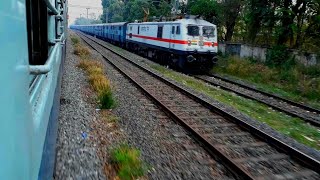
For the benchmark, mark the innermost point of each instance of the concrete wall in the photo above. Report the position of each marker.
(260, 53)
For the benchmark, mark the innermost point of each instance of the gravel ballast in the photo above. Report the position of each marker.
(165, 146)
(76, 152)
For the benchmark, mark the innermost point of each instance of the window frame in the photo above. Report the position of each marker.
(37, 30)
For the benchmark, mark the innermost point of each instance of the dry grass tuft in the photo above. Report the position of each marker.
(97, 78)
(95, 70)
(81, 51)
(99, 82)
(89, 65)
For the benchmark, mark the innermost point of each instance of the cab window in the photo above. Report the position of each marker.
(208, 31)
(193, 30)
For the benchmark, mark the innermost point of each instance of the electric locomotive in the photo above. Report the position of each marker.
(32, 49)
(189, 43)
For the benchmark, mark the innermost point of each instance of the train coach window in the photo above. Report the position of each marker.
(120, 28)
(37, 28)
(138, 29)
(173, 30)
(160, 32)
(178, 30)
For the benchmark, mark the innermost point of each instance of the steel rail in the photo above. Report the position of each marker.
(301, 157)
(224, 87)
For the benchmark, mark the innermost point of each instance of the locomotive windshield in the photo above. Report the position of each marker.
(208, 31)
(193, 30)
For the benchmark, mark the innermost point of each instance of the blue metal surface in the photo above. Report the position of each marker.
(43, 96)
(15, 110)
(26, 100)
(49, 149)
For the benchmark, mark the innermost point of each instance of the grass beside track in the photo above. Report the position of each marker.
(127, 162)
(287, 125)
(297, 82)
(100, 84)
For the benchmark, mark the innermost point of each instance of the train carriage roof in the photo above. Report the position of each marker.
(104, 24)
(180, 21)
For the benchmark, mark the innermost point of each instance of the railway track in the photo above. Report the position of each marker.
(247, 151)
(306, 113)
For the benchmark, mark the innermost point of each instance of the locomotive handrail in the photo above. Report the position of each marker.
(51, 7)
(46, 68)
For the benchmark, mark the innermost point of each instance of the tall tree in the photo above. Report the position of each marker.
(231, 10)
(260, 13)
(223, 13)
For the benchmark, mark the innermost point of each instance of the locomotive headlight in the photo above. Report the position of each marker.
(189, 42)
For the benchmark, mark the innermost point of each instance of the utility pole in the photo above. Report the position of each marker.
(87, 12)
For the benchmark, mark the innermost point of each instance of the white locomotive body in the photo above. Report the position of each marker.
(186, 43)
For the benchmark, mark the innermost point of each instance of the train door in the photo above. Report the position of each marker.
(172, 36)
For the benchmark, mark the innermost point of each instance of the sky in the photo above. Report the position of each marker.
(77, 8)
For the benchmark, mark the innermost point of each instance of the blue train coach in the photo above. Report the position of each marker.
(32, 48)
(111, 32)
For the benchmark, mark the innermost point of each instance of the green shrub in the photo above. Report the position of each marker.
(312, 71)
(106, 99)
(279, 56)
(288, 76)
(74, 40)
(127, 162)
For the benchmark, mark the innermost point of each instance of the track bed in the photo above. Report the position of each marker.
(245, 150)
